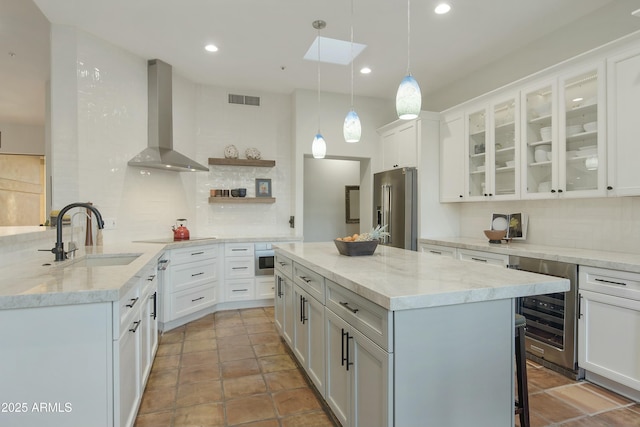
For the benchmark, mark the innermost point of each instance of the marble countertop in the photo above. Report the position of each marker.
(397, 279)
(593, 258)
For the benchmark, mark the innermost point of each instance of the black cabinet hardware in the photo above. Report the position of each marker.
(133, 302)
(135, 326)
(346, 305)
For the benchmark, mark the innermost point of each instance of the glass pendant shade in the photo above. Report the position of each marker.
(352, 128)
(408, 99)
(318, 147)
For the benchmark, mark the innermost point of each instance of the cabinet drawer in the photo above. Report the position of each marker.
(239, 267)
(238, 249)
(127, 307)
(438, 250)
(483, 257)
(239, 290)
(370, 319)
(188, 275)
(192, 300)
(310, 281)
(195, 253)
(611, 282)
(265, 287)
(284, 265)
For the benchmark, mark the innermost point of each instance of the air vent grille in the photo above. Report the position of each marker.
(244, 100)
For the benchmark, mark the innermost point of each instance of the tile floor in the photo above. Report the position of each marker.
(231, 369)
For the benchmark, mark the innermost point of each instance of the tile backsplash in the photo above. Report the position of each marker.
(610, 224)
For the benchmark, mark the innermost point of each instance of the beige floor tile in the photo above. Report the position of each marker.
(227, 314)
(199, 358)
(258, 320)
(207, 415)
(248, 409)
(270, 349)
(166, 362)
(552, 409)
(229, 322)
(264, 338)
(584, 422)
(253, 312)
(173, 336)
(240, 368)
(199, 345)
(200, 334)
(202, 326)
(155, 400)
(313, 419)
(156, 419)
(264, 423)
(278, 362)
(163, 378)
(289, 402)
(169, 349)
(242, 339)
(635, 408)
(230, 331)
(236, 352)
(285, 380)
(260, 328)
(244, 386)
(546, 379)
(583, 399)
(198, 393)
(619, 418)
(620, 400)
(194, 374)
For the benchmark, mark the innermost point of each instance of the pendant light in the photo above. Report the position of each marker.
(319, 147)
(408, 97)
(352, 128)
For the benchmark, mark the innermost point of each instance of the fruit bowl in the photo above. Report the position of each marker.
(495, 236)
(367, 247)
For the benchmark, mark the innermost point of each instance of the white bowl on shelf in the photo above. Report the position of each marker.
(574, 129)
(544, 187)
(590, 126)
(542, 110)
(545, 133)
(510, 163)
(540, 153)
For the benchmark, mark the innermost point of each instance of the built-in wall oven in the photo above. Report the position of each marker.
(551, 336)
(264, 259)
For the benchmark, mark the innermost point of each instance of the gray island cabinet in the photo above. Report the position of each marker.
(403, 338)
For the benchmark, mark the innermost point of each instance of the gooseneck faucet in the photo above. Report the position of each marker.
(61, 255)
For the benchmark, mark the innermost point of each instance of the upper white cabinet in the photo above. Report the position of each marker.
(623, 144)
(399, 143)
(492, 134)
(452, 158)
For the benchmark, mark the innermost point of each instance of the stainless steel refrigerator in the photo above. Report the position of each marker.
(395, 202)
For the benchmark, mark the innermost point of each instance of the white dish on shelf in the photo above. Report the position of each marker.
(542, 110)
(510, 163)
(540, 153)
(544, 187)
(590, 126)
(574, 130)
(499, 223)
(545, 133)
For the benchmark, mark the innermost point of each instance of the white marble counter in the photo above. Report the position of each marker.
(397, 279)
(593, 258)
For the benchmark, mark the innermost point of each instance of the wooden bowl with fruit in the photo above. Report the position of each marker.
(360, 244)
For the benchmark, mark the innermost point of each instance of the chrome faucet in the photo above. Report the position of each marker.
(61, 255)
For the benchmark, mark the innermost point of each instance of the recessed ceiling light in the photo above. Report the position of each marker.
(578, 99)
(442, 8)
(365, 70)
(211, 48)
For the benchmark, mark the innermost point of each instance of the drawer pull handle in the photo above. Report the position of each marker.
(239, 268)
(282, 263)
(306, 279)
(239, 290)
(611, 282)
(436, 252)
(150, 278)
(197, 274)
(197, 253)
(197, 299)
(133, 302)
(478, 259)
(135, 326)
(239, 249)
(346, 305)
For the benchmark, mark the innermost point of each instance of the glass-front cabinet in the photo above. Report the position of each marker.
(493, 151)
(563, 142)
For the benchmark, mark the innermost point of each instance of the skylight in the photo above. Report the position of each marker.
(333, 51)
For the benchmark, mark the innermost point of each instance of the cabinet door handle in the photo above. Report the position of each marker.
(197, 299)
(346, 305)
(197, 274)
(559, 190)
(135, 326)
(133, 302)
(553, 191)
(579, 306)
(347, 364)
(279, 287)
(304, 310)
(239, 268)
(342, 349)
(436, 252)
(611, 282)
(609, 187)
(150, 278)
(155, 305)
(197, 253)
(239, 250)
(239, 290)
(478, 259)
(306, 279)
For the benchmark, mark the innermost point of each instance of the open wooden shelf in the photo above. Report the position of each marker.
(242, 199)
(242, 162)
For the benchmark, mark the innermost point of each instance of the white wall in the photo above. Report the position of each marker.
(21, 139)
(324, 201)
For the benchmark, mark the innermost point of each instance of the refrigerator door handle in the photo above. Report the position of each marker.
(386, 211)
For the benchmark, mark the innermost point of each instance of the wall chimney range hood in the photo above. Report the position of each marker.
(159, 153)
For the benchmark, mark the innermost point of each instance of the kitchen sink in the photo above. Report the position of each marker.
(104, 260)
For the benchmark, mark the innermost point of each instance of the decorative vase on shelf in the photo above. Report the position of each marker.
(230, 152)
(253, 154)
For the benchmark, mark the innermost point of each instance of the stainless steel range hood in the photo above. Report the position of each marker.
(160, 153)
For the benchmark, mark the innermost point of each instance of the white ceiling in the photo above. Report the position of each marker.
(262, 43)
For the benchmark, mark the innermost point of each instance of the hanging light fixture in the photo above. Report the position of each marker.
(352, 128)
(408, 97)
(319, 147)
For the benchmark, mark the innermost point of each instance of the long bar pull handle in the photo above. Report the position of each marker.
(135, 326)
(197, 274)
(343, 335)
(155, 305)
(197, 253)
(611, 282)
(133, 302)
(304, 310)
(348, 363)
(279, 287)
(301, 308)
(197, 299)
(579, 306)
(306, 279)
(479, 259)
(346, 305)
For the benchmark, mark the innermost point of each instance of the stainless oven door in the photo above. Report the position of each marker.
(265, 259)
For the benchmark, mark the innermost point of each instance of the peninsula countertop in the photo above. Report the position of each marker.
(398, 279)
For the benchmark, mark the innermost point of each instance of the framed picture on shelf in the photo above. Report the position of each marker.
(263, 187)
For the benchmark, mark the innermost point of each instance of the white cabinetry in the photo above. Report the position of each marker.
(438, 250)
(399, 143)
(623, 143)
(608, 325)
(239, 271)
(452, 158)
(283, 301)
(483, 257)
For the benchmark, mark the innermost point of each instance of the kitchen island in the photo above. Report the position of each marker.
(402, 338)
